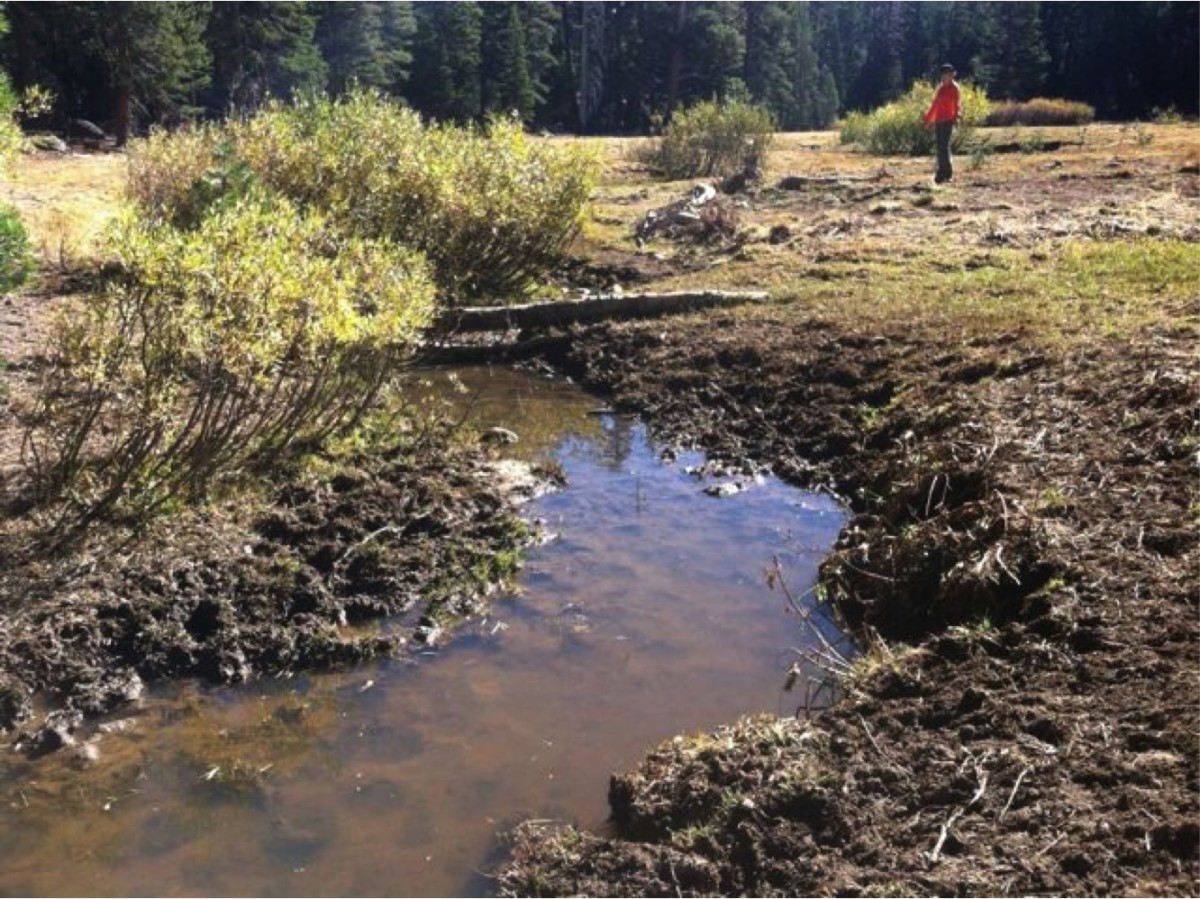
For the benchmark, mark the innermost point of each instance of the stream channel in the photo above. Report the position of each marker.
(647, 615)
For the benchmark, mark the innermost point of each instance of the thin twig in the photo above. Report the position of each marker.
(937, 850)
(827, 653)
(1013, 794)
(932, 486)
(983, 782)
(1058, 839)
(871, 737)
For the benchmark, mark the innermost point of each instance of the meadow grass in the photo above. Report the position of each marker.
(923, 257)
(66, 203)
(911, 266)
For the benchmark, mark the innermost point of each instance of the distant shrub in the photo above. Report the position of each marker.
(217, 350)
(897, 129)
(492, 208)
(714, 140)
(1167, 116)
(16, 259)
(10, 131)
(178, 178)
(1040, 111)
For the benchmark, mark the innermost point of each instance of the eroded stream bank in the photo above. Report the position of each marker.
(1023, 543)
(645, 613)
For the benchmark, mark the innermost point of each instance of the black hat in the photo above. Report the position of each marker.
(946, 67)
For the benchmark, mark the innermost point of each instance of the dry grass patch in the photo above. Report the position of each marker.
(1091, 240)
(66, 202)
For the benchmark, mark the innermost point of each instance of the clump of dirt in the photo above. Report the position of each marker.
(227, 594)
(1023, 545)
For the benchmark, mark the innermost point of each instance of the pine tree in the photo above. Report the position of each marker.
(805, 72)
(828, 102)
(1013, 61)
(881, 75)
(151, 54)
(541, 24)
(507, 83)
(716, 51)
(398, 26)
(260, 50)
(839, 40)
(350, 36)
(592, 60)
(769, 57)
(955, 33)
(446, 61)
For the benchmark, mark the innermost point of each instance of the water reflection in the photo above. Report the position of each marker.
(645, 617)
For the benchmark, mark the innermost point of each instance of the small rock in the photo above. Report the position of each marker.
(428, 634)
(498, 437)
(48, 143)
(779, 234)
(55, 734)
(119, 726)
(85, 755)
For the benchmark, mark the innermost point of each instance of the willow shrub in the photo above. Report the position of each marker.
(714, 140)
(10, 131)
(180, 177)
(1045, 111)
(16, 258)
(898, 129)
(218, 350)
(491, 208)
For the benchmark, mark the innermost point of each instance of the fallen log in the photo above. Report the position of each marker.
(803, 182)
(569, 312)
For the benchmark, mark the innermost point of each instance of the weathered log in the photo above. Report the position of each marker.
(803, 182)
(569, 312)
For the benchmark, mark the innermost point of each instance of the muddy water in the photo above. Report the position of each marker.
(646, 616)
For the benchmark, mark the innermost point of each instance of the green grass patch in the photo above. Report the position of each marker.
(1079, 290)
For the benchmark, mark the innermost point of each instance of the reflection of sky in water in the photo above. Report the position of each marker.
(647, 616)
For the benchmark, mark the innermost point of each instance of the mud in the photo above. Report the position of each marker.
(267, 584)
(1020, 570)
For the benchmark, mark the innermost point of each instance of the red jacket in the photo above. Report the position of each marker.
(945, 106)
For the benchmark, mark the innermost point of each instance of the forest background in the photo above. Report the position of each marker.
(591, 67)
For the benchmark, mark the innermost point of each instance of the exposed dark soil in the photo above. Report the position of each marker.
(1022, 563)
(420, 533)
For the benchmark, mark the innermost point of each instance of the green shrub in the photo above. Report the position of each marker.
(16, 260)
(1040, 111)
(10, 131)
(714, 140)
(492, 208)
(178, 178)
(218, 350)
(898, 129)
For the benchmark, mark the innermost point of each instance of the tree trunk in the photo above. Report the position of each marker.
(124, 114)
(675, 69)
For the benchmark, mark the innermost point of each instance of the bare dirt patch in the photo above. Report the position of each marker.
(1025, 522)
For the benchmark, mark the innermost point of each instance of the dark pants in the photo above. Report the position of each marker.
(945, 170)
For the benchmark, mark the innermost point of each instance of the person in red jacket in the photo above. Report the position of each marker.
(943, 114)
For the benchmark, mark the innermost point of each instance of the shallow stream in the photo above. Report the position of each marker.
(646, 615)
